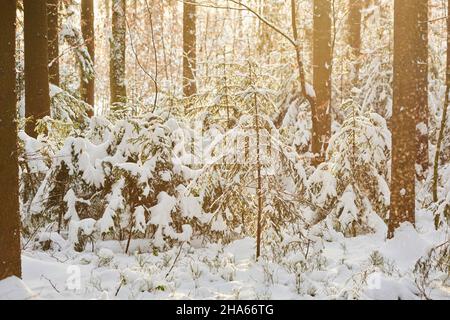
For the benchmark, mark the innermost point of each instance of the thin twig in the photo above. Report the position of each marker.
(51, 283)
(176, 258)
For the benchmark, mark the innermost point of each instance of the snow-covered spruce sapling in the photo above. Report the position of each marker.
(351, 189)
(128, 174)
(239, 184)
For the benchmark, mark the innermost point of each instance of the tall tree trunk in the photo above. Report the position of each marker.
(189, 49)
(321, 79)
(9, 188)
(354, 38)
(404, 117)
(87, 29)
(444, 115)
(422, 90)
(117, 64)
(53, 41)
(37, 99)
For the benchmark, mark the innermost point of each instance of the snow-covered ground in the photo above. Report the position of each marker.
(365, 267)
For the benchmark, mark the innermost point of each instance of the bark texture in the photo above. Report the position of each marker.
(37, 99)
(422, 90)
(9, 186)
(189, 49)
(405, 110)
(321, 79)
(354, 38)
(117, 63)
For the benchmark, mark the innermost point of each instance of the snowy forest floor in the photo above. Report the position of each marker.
(365, 267)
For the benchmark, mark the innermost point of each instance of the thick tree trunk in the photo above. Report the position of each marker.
(117, 64)
(321, 79)
(404, 118)
(9, 186)
(53, 41)
(189, 49)
(354, 38)
(37, 99)
(422, 90)
(87, 29)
